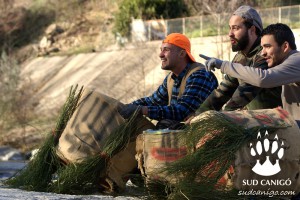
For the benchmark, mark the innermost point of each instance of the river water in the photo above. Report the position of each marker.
(11, 160)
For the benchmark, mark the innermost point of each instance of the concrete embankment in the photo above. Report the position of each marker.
(123, 73)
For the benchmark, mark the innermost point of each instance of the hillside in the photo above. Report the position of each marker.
(33, 28)
(77, 47)
(39, 30)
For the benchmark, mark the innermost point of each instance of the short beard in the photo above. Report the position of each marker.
(241, 43)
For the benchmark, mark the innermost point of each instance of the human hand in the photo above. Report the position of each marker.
(211, 63)
(129, 109)
(189, 119)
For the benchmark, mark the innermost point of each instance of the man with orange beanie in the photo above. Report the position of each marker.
(183, 89)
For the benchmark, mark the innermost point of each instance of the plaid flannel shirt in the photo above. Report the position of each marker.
(198, 87)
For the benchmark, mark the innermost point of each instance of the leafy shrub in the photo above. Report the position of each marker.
(147, 9)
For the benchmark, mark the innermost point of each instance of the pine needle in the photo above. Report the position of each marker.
(74, 178)
(84, 177)
(212, 143)
(37, 175)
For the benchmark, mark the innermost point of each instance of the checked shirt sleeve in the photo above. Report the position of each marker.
(198, 86)
(159, 97)
(221, 95)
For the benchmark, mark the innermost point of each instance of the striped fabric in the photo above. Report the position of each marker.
(95, 118)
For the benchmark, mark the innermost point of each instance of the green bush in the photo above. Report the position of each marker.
(146, 9)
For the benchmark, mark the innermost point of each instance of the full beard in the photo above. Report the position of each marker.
(241, 43)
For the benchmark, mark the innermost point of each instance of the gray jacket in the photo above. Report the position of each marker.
(286, 74)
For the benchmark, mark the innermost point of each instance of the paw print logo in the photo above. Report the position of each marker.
(265, 148)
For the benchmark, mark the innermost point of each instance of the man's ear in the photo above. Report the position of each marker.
(285, 46)
(253, 29)
(182, 53)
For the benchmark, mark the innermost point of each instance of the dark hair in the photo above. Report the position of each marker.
(248, 24)
(282, 33)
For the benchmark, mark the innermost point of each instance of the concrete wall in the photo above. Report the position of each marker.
(124, 73)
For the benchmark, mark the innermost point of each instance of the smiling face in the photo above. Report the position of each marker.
(272, 52)
(169, 55)
(238, 34)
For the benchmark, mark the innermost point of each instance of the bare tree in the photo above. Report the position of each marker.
(204, 7)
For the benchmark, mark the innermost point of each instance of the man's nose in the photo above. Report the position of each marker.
(230, 33)
(161, 54)
(263, 52)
